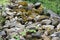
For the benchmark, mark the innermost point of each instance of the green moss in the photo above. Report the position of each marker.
(32, 30)
(16, 37)
(23, 33)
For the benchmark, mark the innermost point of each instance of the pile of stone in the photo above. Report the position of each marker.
(28, 21)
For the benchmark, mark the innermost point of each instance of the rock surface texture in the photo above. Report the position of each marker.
(28, 21)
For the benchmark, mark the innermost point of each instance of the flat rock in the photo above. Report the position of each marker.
(37, 34)
(48, 26)
(55, 38)
(46, 21)
(56, 34)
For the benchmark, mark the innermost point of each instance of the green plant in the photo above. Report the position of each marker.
(16, 37)
(32, 30)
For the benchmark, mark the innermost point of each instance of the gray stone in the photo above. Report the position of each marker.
(55, 38)
(2, 33)
(56, 34)
(28, 36)
(54, 22)
(28, 23)
(4, 14)
(12, 39)
(7, 23)
(37, 34)
(37, 4)
(37, 18)
(22, 38)
(30, 6)
(32, 26)
(46, 21)
(7, 9)
(58, 26)
(10, 13)
(1, 6)
(52, 14)
(48, 26)
(20, 6)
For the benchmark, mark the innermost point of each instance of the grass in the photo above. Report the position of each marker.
(3, 2)
(52, 4)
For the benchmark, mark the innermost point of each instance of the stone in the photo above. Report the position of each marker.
(12, 34)
(47, 27)
(46, 21)
(36, 35)
(20, 19)
(4, 14)
(30, 6)
(44, 37)
(22, 38)
(9, 13)
(9, 17)
(55, 21)
(37, 5)
(37, 18)
(58, 26)
(24, 3)
(42, 17)
(19, 13)
(10, 30)
(39, 25)
(7, 9)
(56, 34)
(10, 6)
(7, 23)
(1, 38)
(16, 18)
(29, 23)
(2, 33)
(53, 35)
(1, 27)
(0, 7)
(12, 39)
(55, 38)
(32, 26)
(52, 14)
(28, 36)
(20, 6)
